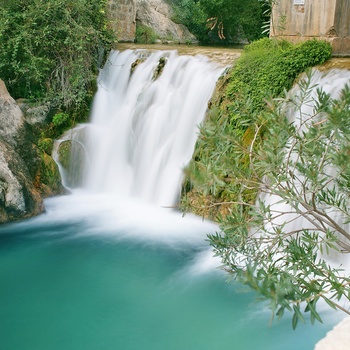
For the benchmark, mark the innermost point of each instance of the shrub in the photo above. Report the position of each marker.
(46, 145)
(274, 246)
(218, 21)
(241, 143)
(145, 35)
(266, 68)
(50, 51)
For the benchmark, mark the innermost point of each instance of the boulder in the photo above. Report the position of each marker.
(11, 117)
(33, 115)
(19, 197)
(336, 339)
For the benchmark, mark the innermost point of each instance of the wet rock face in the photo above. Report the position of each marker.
(18, 196)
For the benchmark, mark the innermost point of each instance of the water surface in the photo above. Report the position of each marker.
(90, 274)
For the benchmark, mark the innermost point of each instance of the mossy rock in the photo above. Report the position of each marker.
(135, 64)
(159, 69)
(48, 178)
(46, 145)
(64, 153)
(72, 157)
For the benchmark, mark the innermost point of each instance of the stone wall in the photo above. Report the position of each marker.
(298, 20)
(122, 17)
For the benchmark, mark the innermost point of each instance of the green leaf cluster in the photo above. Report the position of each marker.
(235, 123)
(235, 20)
(145, 35)
(249, 149)
(50, 50)
(267, 67)
(305, 163)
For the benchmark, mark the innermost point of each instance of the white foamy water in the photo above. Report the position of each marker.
(131, 155)
(143, 129)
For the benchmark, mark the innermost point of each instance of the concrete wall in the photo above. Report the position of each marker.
(122, 16)
(342, 14)
(298, 20)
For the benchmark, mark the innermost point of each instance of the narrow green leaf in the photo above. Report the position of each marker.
(295, 321)
(330, 303)
(314, 313)
(296, 309)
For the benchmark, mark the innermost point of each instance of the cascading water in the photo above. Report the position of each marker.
(144, 123)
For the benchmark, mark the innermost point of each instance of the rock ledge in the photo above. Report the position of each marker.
(336, 339)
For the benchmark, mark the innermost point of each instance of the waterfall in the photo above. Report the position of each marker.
(144, 123)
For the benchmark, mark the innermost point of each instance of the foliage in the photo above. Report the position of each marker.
(270, 66)
(46, 145)
(221, 21)
(50, 51)
(302, 168)
(60, 119)
(266, 68)
(191, 14)
(242, 142)
(145, 35)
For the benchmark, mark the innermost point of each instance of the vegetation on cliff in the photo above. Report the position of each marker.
(223, 21)
(249, 146)
(50, 51)
(266, 69)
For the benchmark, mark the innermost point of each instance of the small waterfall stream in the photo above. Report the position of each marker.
(144, 126)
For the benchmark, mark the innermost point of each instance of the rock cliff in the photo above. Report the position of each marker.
(125, 15)
(21, 163)
(157, 14)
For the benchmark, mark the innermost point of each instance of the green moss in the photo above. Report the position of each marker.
(145, 35)
(135, 64)
(64, 153)
(48, 178)
(160, 66)
(46, 145)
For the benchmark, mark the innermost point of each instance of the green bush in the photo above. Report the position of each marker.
(46, 145)
(145, 35)
(275, 249)
(50, 50)
(242, 142)
(266, 68)
(223, 22)
(60, 119)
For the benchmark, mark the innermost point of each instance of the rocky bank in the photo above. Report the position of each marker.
(27, 174)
